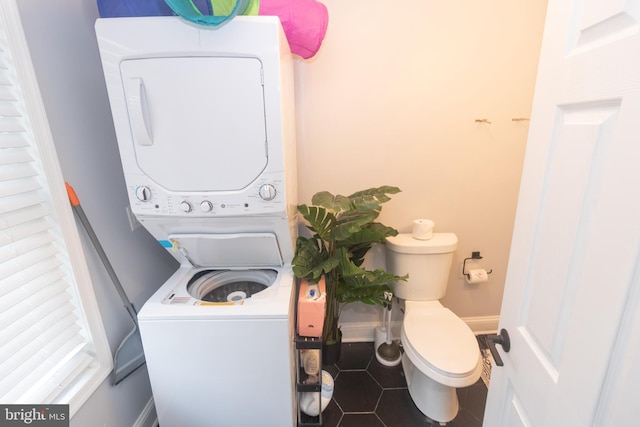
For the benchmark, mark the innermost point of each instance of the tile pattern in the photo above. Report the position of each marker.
(369, 394)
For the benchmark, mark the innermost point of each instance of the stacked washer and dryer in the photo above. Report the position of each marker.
(205, 125)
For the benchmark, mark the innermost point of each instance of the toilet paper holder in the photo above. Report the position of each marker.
(474, 255)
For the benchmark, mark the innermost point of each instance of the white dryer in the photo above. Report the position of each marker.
(204, 119)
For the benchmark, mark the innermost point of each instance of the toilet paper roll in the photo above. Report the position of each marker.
(478, 275)
(423, 229)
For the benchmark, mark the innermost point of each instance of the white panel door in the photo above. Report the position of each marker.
(573, 286)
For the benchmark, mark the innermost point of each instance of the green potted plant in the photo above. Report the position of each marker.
(343, 229)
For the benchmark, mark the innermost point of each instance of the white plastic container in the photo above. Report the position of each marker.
(309, 403)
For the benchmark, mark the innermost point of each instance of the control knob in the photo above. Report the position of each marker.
(206, 206)
(143, 193)
(185, 206)
(267, 192)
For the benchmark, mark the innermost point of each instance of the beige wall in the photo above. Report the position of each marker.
(392, 98)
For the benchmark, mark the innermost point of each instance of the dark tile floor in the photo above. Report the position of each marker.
(369, 394)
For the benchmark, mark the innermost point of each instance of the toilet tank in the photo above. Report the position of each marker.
(427, 262)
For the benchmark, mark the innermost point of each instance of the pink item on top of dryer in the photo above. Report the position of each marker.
(304, 23)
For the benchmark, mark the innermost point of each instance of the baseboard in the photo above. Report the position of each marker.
(482, 324)
(148, 416)
(364, 331)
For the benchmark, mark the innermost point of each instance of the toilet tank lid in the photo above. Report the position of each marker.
(440, 243)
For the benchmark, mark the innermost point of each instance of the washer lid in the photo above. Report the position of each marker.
(229, 250)
(442, 339)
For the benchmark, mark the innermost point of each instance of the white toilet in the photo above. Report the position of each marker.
(440, 351)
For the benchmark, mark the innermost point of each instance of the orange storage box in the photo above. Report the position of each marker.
(311, 301)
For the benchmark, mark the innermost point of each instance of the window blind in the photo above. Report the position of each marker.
(47, 344)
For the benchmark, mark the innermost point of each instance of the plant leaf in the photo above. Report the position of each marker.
(372, 233)
(361, 242)
(366, 286)
(372, 198)
(334, 204)
(311, 260)
(349, 223)
(319, 220)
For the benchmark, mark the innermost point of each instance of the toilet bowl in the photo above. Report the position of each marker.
(441, 352)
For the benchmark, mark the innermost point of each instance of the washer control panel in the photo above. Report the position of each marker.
(264, 196)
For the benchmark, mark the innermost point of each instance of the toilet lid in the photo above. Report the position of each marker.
(441, 340)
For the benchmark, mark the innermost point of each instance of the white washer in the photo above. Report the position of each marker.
(205, 125)
(220, 364)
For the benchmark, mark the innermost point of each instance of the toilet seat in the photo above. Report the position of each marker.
(440, 344)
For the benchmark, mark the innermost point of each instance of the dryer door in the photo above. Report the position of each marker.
(197, 123)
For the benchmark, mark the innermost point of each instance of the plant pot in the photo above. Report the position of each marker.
(331, 352)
